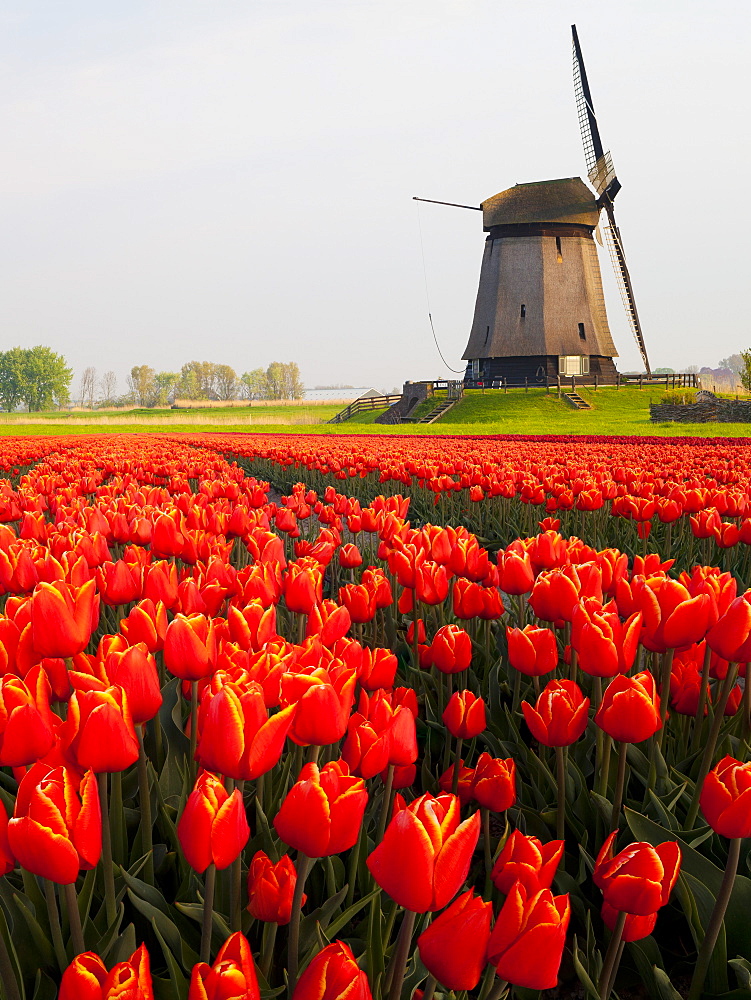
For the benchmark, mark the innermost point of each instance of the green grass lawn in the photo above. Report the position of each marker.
(614, 411)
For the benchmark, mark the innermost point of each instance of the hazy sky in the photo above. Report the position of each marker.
(232, 181)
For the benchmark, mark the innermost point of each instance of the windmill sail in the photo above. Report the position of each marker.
(602, 176)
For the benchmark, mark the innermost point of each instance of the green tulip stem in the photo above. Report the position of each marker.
(74, 918)
(108, 869)
(715, 921)
(487, 981)
(696, 735)
(709, 748)
(53, 916)
(311, 757)
(415, 635)
(457, 766)
(267, 949)
(429, 988)
(236, 878)
(667, 669)
(193, 729)
(499, 990)
(485, 816)
(560, 813)
(386, 805)
(610, 965)
(7, 973)
(401, 954)
(208, 912)
(616, 964)
(304, 864)
(620, 782)
(354, 862)
(144, 802)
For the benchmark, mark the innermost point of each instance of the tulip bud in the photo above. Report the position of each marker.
(464, 715)
(332, 975)
(422, 871)
(526, 945)
(453, 947)
(630, 708)
(271, 888)
(56, 828)
(640, 878)
(560, 716)
(322, 813)
(231, 977)
(86, 978)
(726, 798)
(528, 860)
(494, 784)
(213, 828)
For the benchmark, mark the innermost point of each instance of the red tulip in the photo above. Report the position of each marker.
(630, 708)
(605, 645)
(332, 975)
(63, 617)
(324, 701)
(532, 651)
(635, 927)
(528, 860)
(425, 853)
(451, 649)
(271, 888)
(98, 732)
(494, 784)
(86, 978)
(56, 828)
(560, 716)
(231, 977)
(190, 647)
(453, 947)
(464, 715)
(27, 726)
(640, 878)
(135, 671)
(213, 828)
(726, 798)
(526, 945)
(146, 623)
(323, 810)
(236, 735)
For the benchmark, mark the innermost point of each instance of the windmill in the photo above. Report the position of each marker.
(540, 307)
(603, 179)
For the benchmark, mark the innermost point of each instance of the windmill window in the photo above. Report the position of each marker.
(559, 254)
(523, 311)
(582, 334)
(487, 334)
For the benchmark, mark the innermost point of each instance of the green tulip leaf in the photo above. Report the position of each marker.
(42, 947)
(44, 988)
(665, 989)
(582, 973)
(178, 982)
(742, 969)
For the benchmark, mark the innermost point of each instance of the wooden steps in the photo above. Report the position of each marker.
(575, 400)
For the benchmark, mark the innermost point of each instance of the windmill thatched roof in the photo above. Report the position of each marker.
(567, 200)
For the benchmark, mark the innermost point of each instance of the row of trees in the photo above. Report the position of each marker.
(34, 376)
(206, 380)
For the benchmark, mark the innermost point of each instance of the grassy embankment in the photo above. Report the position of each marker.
(614, 411)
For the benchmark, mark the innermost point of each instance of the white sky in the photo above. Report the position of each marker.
(232, 181)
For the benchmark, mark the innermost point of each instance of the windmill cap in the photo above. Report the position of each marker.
(567, 200)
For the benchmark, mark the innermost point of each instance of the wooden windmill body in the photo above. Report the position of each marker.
(540, 309)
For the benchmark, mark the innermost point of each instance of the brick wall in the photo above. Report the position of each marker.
(723, 411)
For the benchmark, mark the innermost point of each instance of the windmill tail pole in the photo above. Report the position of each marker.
(451, 204)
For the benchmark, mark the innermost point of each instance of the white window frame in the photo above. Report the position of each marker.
(573, 364)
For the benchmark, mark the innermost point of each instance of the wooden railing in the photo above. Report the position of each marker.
(682, 380)
(364, 404)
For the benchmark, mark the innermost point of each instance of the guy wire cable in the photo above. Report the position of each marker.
(456, 371)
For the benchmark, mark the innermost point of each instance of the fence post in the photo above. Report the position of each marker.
(641, 382)
(526, 384)
(595, 383)
(505, 384)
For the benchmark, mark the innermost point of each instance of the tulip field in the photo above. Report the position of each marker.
(341, 718)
